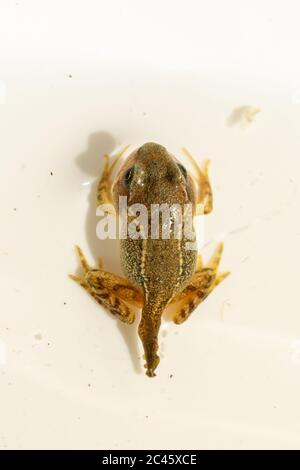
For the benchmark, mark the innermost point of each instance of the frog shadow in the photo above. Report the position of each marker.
(91, 161)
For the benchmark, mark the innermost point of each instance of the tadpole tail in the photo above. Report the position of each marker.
(148, 332)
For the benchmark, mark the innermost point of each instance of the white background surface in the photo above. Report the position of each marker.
(79, 79)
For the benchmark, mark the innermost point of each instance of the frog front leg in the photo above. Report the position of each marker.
(104, 195)
(111, 291)
(204, 202)
(202, 283)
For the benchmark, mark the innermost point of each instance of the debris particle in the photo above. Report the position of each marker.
(15, 208)
(51, 173)
(250, 113)
(171, 376)
(38, 336)
(242, 116)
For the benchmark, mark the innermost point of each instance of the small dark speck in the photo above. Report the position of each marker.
(51, 173)
(70, 76)
(89, 385)
(171, 376)
(147, 417)
(144, 113)
(48, 344)
(65, 303)
(15, 208)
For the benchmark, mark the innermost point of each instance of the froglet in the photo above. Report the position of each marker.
(160, 272)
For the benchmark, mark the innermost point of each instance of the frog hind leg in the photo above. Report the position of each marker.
(202, 284)
(204, 203)
(104, 196)
(109, 290)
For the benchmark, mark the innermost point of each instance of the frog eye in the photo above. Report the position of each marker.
(182, 169)
(127, 178)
